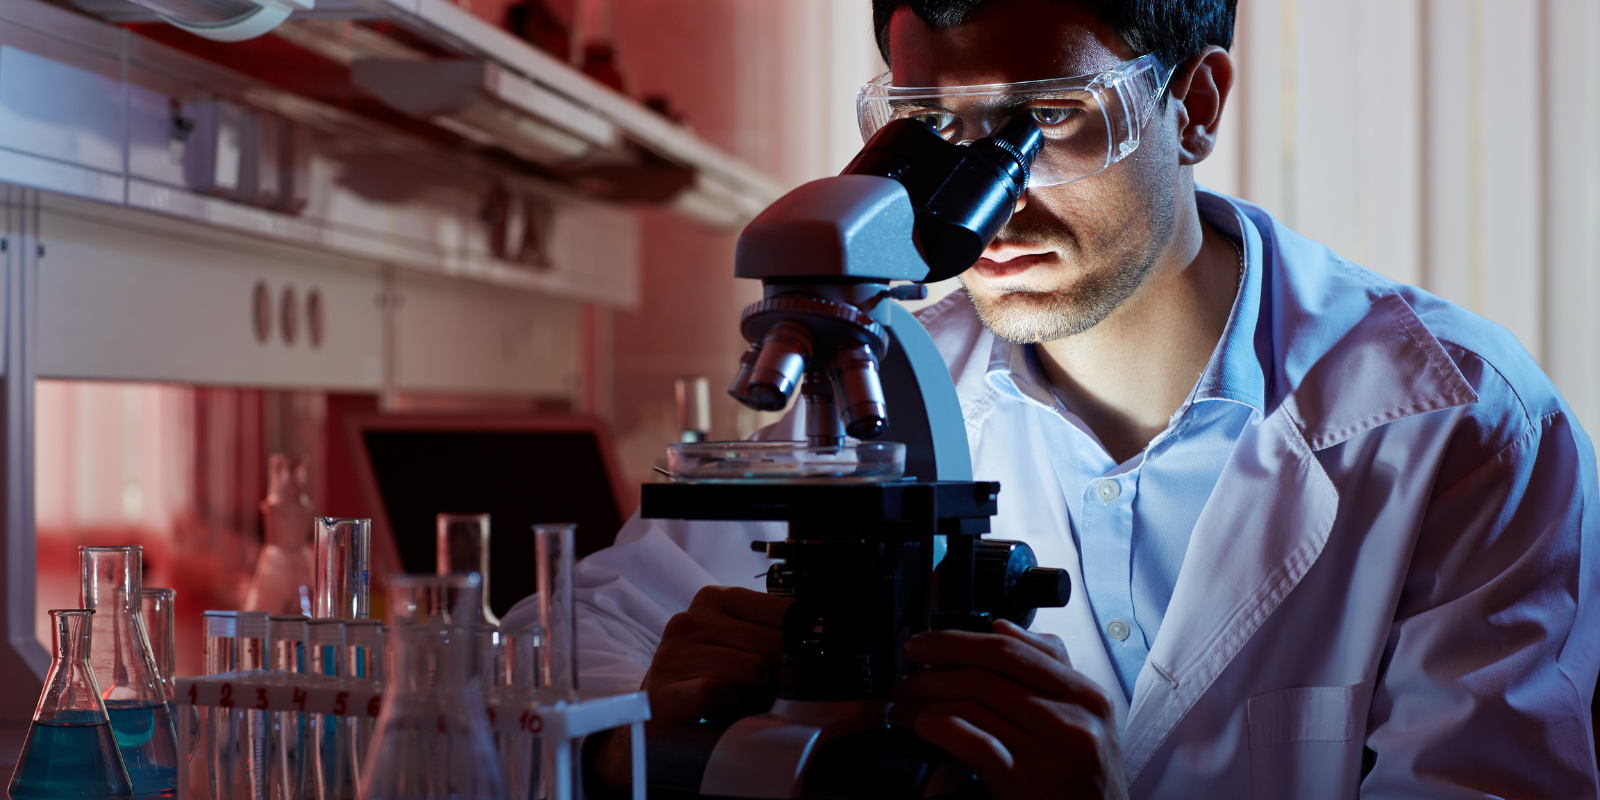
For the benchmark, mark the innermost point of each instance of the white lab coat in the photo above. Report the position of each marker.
(1398, 557)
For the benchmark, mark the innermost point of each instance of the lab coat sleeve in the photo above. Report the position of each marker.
(1490, 665)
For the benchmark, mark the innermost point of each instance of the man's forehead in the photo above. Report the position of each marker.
(1003, 42)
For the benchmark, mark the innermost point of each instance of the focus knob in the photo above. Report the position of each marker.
(1042, 587)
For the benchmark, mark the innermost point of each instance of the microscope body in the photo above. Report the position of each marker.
(868, 564)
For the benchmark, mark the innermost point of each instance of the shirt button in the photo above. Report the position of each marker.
(1117, 629)
(1108, 490)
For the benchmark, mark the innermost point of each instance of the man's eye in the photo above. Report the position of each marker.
(1048, 116)
(942, 122)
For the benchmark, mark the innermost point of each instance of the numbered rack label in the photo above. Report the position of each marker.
(259, 696)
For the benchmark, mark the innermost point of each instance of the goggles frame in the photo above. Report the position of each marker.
(1125, 95)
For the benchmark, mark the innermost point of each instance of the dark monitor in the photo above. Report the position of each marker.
(521, 470)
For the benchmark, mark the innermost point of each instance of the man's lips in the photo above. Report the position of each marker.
(1015, 265)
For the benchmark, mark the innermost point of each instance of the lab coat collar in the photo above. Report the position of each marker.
(1351, 355)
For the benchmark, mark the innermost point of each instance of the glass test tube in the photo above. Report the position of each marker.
(328, 776)
(553, 563)
(363, 643)
(158, 621)
(286, 776)
(510, 679)
(463, 546)
(343, 581)
(250, 759)
(216, 724)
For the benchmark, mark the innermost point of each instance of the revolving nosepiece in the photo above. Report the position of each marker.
(777, 369)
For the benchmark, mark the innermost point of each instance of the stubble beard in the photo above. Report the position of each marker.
(1025, 316)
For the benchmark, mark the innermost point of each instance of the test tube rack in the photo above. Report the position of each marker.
(561, 724)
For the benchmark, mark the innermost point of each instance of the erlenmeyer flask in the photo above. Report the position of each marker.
(283, 579)
(433, 737)
(70, 752)
(463, 546)
(125, 671)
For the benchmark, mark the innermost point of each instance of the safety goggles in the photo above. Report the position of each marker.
(1089, 122)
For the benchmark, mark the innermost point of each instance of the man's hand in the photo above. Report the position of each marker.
(717, 660)
(1010, 706)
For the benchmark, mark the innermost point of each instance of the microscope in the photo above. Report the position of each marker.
(868, 562)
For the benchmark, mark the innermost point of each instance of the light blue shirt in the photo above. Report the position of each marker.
(1132, 521)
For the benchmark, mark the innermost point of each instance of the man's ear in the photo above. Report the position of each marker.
(1201, 90)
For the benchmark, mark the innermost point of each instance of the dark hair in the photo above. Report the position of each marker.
(1173, 29)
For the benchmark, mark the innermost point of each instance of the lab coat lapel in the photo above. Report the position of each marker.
(1274, 506)
(1264, 527)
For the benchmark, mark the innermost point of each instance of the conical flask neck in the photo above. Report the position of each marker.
(71, 692)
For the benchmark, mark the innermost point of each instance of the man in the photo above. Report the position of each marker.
(1329, 536)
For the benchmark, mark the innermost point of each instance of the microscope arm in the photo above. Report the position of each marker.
(925, 414)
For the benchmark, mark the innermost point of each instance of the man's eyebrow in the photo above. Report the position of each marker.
(926, 103)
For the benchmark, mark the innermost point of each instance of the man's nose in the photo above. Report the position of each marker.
(1022, 202)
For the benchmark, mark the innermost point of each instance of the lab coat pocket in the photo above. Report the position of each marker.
(1306, 742)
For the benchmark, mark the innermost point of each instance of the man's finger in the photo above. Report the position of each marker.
(723, 664)
(758, 607)
(703, 626)
(1007, 700)
(966, 743)
(1048, 642)
(1011, 658)
(984, 719)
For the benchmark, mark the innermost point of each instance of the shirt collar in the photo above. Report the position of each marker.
(1234, 372)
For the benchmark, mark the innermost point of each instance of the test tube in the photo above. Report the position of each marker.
(553, 559)
(512, 683)
(363, 644)
(328, 777)
(343, 583)
(463, 546)
(221, 657)
(363, 641)
(250, 766)
(286, 775)
(288, 643)
(158, 622)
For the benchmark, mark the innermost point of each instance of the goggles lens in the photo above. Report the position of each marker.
(1089, 122)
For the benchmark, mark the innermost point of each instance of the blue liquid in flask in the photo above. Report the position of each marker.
(71, 756)
(144, 731)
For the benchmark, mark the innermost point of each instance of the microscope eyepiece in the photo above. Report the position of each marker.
(962, 195)
(1012, 148)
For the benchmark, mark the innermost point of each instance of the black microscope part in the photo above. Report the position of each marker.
(962, 195)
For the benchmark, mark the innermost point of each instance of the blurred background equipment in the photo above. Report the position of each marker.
(463, 546)
(521, 470)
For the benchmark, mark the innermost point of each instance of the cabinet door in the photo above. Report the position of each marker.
(453, 336)
(125, 295)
